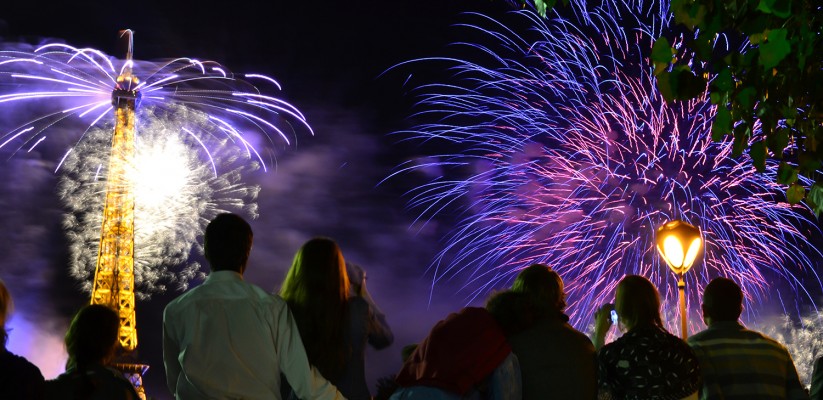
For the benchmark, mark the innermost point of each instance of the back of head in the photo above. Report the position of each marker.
(638, 302)
(318, 270)
(723, 300)
(543, 286)
(228, 243)
(317, 290)
(6, 307)
(92, 336)
(512, 311)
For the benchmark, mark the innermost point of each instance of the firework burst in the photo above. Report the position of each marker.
(67, 85)
(177, 193)
(563, 152)
(199, 129)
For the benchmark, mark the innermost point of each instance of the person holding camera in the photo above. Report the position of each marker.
(646, 362)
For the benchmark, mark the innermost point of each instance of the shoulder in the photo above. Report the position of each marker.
(115, 385)
(698, 338)
(13, 360)
(574, 336)
(181, 300)
(769, 342)
(18, 366)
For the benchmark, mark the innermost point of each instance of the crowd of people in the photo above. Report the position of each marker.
(229, 339)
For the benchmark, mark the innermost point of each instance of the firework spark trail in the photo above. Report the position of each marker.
(67, 84)
(200, 129)
(566, 154)
(803, 338)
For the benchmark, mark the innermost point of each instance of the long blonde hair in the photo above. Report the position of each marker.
(639, 303)
(317, 290)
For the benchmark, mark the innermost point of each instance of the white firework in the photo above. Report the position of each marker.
(183, 175)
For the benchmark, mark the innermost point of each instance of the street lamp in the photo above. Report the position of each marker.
(679, 242)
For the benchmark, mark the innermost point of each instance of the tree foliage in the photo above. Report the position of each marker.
(762, 64)
(762, 61)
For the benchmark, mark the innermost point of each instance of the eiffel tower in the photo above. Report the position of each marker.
(114, 274)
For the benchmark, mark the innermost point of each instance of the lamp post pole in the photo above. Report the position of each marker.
(681, 286)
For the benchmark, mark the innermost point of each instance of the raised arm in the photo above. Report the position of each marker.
(380, 334)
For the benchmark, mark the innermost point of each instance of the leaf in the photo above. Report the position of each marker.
(542, 6)
(778, 141)
(786, 174)
(703, 45)
(689, 85)
(723, 81)
(815, 197)
(775, 49)
(662, 51)
(756, 38)
(746, 98)
(766, 6)
(722, 124)
(680, 84)
(781, 8)
(795, 193)
(664, 85)
(687, 14)
(755, 23)
(741, 140)
(809, 164)
(758, 154)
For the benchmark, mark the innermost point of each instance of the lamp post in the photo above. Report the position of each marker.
(679, 242)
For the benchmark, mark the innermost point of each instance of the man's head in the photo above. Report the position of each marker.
(228, 243)
(543, 286)
(722, 301)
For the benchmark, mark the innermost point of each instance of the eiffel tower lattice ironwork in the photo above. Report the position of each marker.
(114, 274)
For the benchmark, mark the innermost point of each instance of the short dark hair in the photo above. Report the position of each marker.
(723, 300)
(228, 242)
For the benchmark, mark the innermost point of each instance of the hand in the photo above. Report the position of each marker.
(602, 323)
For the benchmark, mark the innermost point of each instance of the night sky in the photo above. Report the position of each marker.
(327, 56)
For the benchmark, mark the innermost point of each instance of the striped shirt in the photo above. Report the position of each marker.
(738, 363)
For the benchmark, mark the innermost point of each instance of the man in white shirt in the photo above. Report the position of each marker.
(229, 339)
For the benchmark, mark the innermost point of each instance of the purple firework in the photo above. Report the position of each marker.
(199, 129)
(563, 152)
(65, 84)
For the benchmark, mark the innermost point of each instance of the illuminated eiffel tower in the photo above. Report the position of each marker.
(114, 275)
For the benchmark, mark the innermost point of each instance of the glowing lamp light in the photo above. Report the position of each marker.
(679, 243)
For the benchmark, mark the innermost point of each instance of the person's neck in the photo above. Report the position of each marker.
(228, 270)
(716, 322)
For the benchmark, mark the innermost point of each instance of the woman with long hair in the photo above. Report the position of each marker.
(646, 362)
(92, 344)
(335, 322)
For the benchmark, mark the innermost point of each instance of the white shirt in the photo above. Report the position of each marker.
(229, 339)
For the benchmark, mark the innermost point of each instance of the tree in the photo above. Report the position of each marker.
(762, 64)
(762, 60)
